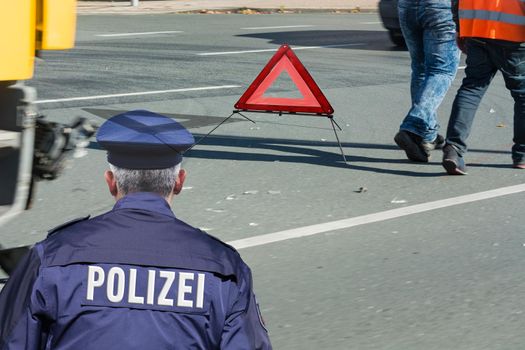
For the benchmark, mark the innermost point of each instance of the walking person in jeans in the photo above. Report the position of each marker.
(492, 34)
(430, 34)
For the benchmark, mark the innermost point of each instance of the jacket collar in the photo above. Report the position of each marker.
(144, 201)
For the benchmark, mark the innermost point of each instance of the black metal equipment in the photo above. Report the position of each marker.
(54, 142)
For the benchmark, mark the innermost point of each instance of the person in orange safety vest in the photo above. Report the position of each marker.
(492, 35)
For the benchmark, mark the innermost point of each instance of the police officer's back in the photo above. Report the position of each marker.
(135, 277)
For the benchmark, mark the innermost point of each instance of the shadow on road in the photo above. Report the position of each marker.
(294, 153)
(189, 121)
(306, 152)
(291, 150)
(343, 39)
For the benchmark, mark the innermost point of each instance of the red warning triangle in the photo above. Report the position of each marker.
(285, 60)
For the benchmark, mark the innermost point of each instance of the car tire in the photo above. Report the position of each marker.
(397, 37)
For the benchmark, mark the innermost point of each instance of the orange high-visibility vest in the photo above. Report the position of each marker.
(492, 19)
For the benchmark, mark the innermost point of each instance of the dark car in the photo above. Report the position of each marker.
(390, 18)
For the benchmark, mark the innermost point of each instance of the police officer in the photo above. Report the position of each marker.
(135, 277)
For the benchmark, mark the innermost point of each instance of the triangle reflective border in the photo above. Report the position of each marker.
(313, 100)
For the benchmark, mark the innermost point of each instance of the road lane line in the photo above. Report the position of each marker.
(462, 67)
(144, 33)
(273, 50)
(233, 52)
(371, 218)
(281, 27)
(97, 97)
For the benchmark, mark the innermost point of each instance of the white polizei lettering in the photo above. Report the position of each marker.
(116, 274)
(132, 292)
(96, 278)
(121, 284)
(184, 289)
(151, 287)
(200, 290)
(170, 277)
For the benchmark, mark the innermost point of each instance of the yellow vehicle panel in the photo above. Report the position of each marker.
(17, 39)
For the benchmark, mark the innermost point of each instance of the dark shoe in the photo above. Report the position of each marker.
(438, 143)
(453, 162)
(414, 146)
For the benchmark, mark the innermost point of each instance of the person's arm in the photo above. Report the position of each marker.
(244, 328)
(20, 325)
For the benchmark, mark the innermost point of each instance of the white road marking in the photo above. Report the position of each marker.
(370, 22)
(97, 97)
(371, 218)
(462, 67)
(233, 52)
(273, 50)
(144, 33)
(281, 27)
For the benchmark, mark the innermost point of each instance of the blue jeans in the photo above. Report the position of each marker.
(430, 34)
(484, 58)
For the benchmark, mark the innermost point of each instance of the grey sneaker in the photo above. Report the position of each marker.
(415, 148)
(453, 162)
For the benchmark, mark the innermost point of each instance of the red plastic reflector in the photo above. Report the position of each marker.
(312, 101)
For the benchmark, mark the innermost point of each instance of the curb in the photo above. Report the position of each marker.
(247, 11)
(226, 11)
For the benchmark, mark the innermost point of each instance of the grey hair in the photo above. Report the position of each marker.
(160, 181)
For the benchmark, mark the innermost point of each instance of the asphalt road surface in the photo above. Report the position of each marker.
(378, 253)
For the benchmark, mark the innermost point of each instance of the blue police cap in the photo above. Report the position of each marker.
(144, 140)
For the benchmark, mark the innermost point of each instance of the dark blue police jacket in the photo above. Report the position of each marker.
(133, 278)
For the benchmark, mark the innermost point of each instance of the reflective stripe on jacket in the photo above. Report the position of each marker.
(502, 19)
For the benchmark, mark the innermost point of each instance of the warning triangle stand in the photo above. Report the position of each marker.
(312, 103)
